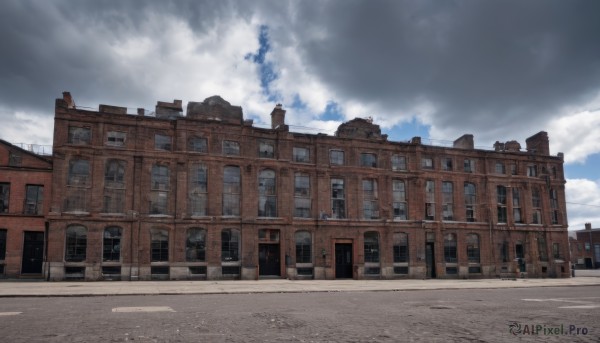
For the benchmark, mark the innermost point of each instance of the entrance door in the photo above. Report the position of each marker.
(268, 260)
(343, 260)
(33, 253)
(430, 260)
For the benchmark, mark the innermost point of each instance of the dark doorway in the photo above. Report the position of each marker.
(33, 253)
(430, 260)
(268, 260)
(343, 260)
(588, 263)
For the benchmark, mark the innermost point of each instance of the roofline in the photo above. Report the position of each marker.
(45, 159)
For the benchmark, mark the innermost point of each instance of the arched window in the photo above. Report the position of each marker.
(76, 243)
(195, 245)
(303, 247)
(450, 248)
(111, 248)
(267, 194)
(231, 191)
(230, 245)
(473, 248)
(159, 245)
(371, 246)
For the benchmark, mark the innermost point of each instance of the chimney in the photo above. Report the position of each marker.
(278, 117)
(538, 144)
(588, 226)
(464, 142)
(68, 99)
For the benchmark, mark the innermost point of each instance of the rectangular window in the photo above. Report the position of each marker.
(267, 194)
(162, 142)
(231, 191)
(301, 155)
(429, 200)
(469, 166)
(501, 203)
(76, 243)
(504, 252)
(426, 163)
(368, 160)
(470, 201)
(303, 247)
(14, 160)
(532, 170)
(4, 197)
(159, 196)
(542, 249)
(400, 247)
(536, 203)
(114, 186)
(2, 244)
(450, 248)
(513, 169)
(115, 138)
(230, 245)
(198, 190)
(517, 205)
(371, 247)
(473, 254)
(301, 195)
(500, 168)
(198, 144)
(447, 164)
(336, 157)
(79, 135)
(112, 244)
(34, 198)
(338, 202)
(266, 149)
(399, 200)
(370, 199)
(195, 245)
(231, 148)
(159, 246)
(398, 162)
(554, 205)
(556, 250)
(78, 181)
(447, 201)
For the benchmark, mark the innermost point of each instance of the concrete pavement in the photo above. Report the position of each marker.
(111, 288)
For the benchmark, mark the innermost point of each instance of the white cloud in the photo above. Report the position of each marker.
(583, 203)
(29, 128)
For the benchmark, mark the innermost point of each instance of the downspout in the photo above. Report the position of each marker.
(46, 229)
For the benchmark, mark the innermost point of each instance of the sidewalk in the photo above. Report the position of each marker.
(108, 288)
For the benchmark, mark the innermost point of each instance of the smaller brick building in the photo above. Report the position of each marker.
(585, 248)
(25, 180)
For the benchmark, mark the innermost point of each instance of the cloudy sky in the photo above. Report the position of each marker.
(501, 70)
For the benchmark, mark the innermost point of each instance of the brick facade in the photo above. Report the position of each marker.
(352, 205)
(585, 248)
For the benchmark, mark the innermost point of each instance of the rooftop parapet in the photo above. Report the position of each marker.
(215, 108)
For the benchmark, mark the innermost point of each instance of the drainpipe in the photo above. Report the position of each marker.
(46, 229)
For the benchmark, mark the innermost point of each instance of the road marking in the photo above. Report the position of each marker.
(143, 309)
(586, 302)
(581, 306)
(9, 313)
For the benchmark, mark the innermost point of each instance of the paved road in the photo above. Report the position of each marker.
(473, 315)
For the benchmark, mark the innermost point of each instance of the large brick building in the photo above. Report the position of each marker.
(585, 247)
(25, 180)
(209, 195)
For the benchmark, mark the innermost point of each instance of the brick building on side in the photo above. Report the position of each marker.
(585, 248)
(210, 196)
(25, 180)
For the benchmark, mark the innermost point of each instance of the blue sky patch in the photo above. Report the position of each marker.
(266, 68)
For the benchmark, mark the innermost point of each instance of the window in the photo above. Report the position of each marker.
(587, 246)
(79, 173)
(370, 202)
(301, 195)
(338, 202)
(301, 155)
(14, 160)
(34, 198)
(162, 142)
(469, 166)
(400, 247)
(554, 205)
(536, 203)
(267, 194)
(519, 250)
(230, 245)
(76, 243)
(159, 247)
(4, 197)
(470, 201)
(197, 144)
(231, 148)
(532, 170)
(513, 169)
(114, 186)
(542, 248)
(450, 248)
(473, 248)
(447, 201)
(398, 162)
(115, 138)
(195, 245)
(231, 191)
(198, 190)
(516, 202)
(504, 252)
(371, 247)
(2, 244)
(111, 247)
(399, 200)
(79, 135)
(501, 203)
(500, 168)
(266, 149)
(159, 195)
(556, 250)
(447, 164)
(368, 160)
(429, 200)
(426, 163)
(336, 157)
(303, 247)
